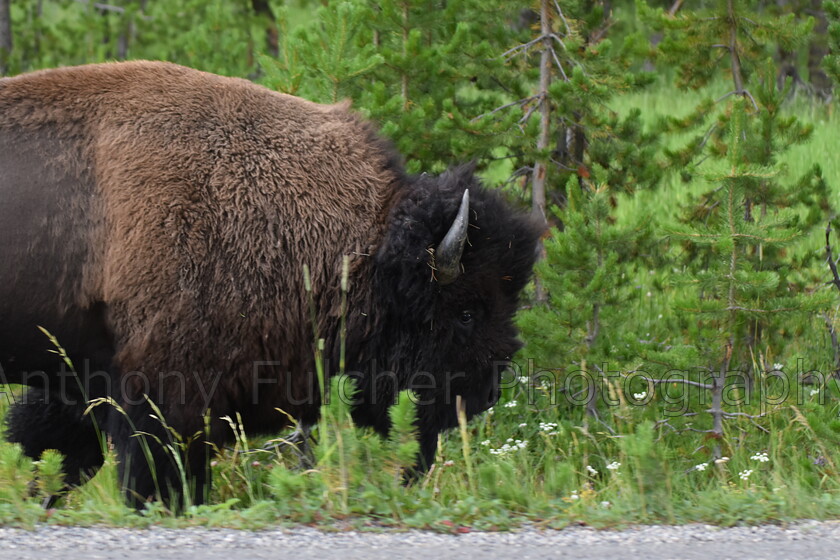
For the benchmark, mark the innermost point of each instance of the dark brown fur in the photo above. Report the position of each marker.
(158, 224)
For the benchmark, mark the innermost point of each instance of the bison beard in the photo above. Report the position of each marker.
(156, 220)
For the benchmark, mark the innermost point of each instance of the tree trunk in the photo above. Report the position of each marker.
(263, 8)
(5, 35)
(817, 49)
(39, 12)
(540, 166)
(124, 37)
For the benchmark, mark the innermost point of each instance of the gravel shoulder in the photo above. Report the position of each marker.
(800, 540)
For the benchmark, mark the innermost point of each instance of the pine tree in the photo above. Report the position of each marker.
(727, 36)
(742, 38)
(831, 62)
(216, 36)
(746, 284)
(325, 59)
(746, 281)
(588, 273)
(590, 259)
(423, 70)
(586, 69)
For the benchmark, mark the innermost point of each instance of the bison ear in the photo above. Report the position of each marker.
(458, 176)
(446, 259)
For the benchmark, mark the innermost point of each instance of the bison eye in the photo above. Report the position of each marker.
(466, 317)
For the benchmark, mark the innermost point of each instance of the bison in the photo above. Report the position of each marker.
(155, 220)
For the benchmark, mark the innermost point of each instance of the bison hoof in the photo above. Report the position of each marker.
(298, 443)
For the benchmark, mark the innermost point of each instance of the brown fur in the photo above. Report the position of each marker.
(187, 168)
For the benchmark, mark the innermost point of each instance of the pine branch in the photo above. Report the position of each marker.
(518, 173)
(559, 66)
(742, 92)
(103, 7)
(527, 116)
(525, 47)
(562, 18)
(519, 102)
(110, 8)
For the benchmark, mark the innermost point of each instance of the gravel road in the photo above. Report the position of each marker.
(801, 540)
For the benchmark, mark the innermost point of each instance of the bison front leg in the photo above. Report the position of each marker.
(428, 449)
(428, 440)
(157, 461)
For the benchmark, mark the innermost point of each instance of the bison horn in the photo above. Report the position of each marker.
(448, 253)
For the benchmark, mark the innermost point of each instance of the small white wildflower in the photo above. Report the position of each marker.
(815, 392)
(660, 316)
(649, 294)
(545, 384)
(485, 443)
(523, 379)
(549, 428)
(605, 504)
(778, 366)
(510, 446)
(701, 467)
(591, 470)
(745, 474)
(523, 425)
(574, 496)
(640, 396)
(760, 457)
(721, 460)
(614, 466)
(510, 404)
(448, 463)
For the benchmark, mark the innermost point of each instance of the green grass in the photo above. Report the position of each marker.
(537, 457)
(568, 473)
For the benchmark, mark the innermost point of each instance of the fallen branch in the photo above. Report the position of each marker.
(656, 381)
(835, 344)
(832, 264)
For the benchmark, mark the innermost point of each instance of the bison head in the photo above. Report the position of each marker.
(446, 284)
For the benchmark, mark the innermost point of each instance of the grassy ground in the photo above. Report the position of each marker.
(537, 456)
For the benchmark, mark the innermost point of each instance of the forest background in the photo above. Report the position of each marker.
(681, 356)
